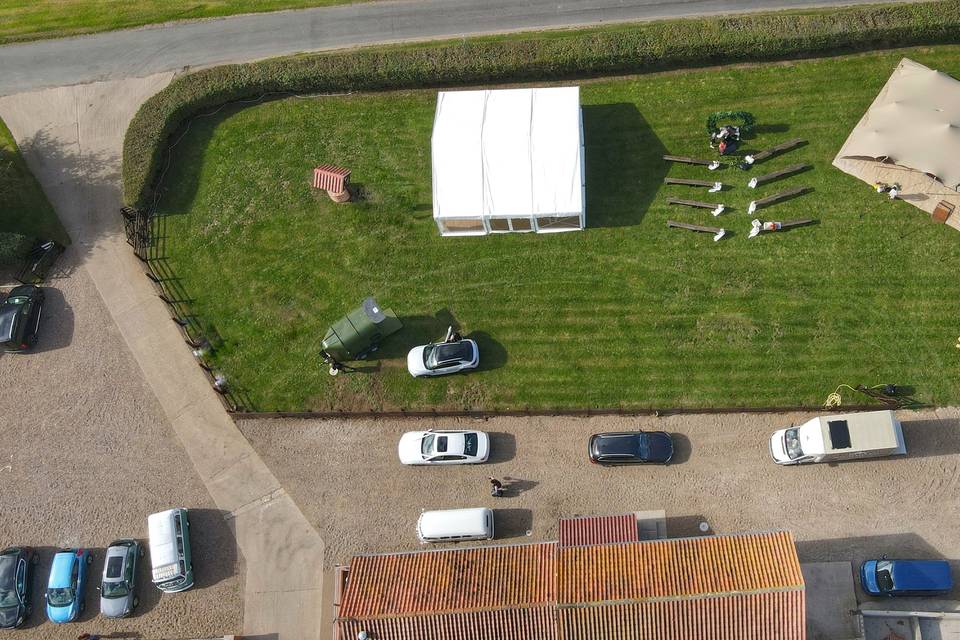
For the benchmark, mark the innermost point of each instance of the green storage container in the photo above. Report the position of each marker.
(360, 331)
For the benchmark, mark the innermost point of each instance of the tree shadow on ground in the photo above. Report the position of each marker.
(492, 353)
(513, 487)
(686, 526)
(56, 322)
(681, 448)
(213, 547)
(624, 164)
(896, 546)
(931, 438)
(512, 523)
(417, 330)
(503, 446)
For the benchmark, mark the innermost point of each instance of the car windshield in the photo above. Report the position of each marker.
(470, 441)
(114, 589)
(426, 445)
(8, 323)
(884, 577)
(8, 598)
(445, 354)
(792, 444)
(60, 597)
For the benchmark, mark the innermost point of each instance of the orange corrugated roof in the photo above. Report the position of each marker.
(777, 615)
(740, 587)
(598, 530)
(535, 623)
(678, 567)
(451, 581)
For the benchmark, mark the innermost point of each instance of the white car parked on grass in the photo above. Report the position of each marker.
(444, 447)
(439, 358)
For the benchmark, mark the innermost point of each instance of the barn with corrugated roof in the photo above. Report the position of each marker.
(598, 581)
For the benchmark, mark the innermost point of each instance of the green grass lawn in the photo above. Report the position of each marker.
(627, 312)
(25, 212)
(34, 19)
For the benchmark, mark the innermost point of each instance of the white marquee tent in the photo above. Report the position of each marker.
(508, 161)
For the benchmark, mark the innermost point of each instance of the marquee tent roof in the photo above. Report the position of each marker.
(914, 122)
(514, 152)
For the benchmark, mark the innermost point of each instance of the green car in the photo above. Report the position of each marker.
(20, 317)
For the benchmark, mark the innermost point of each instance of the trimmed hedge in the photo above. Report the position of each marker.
(544, 56)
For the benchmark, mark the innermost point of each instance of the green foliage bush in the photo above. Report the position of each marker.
(544, 56)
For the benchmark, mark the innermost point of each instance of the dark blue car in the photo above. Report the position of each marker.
(631, 447)
(906, 577)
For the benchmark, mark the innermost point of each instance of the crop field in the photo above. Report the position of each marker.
(626, 313)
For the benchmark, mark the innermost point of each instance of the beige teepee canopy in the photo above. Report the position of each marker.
(911, 135)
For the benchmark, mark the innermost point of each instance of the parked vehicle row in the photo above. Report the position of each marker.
(832, 438)
(171, 571)
(454, 446)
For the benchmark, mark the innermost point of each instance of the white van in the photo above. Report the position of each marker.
(847, 436)
(455, 525)
(170, 550)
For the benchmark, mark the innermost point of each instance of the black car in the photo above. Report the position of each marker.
(16, 578)
(20, 317)
(631, 447)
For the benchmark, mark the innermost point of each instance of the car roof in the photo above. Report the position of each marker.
(617, 443)
(462, 350)
(113, 567)
(62, 569)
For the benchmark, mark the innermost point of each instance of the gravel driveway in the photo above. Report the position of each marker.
(346, 478)
(87, 456)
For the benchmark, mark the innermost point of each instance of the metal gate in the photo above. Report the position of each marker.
(136, 225)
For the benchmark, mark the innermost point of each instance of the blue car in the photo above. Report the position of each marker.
(906, 577)
(65, 588)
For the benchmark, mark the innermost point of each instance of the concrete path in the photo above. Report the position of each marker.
(141, 52)
(72, 139)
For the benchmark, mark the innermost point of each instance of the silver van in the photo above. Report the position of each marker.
(172, 566)
(455, 525)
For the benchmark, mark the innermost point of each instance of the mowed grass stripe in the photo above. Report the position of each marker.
(628, 313)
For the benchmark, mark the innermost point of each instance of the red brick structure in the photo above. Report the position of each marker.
(334, 180)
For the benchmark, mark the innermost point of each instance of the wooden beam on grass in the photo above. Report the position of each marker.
(716, 231)
(773, 151)
(777, 197)
(715, 209)
(776, 175)
(710, 164)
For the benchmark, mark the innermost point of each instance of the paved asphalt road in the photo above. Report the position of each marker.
(141, 52)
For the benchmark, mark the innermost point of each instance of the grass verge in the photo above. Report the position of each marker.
(25, 212)
(627, 313)
(22, 20)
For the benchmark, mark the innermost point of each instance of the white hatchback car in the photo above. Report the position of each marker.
(440, 358)
(444, 447)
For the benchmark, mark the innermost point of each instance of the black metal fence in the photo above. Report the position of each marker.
(146, 232)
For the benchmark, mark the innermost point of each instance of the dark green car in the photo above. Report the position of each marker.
(20, 317)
